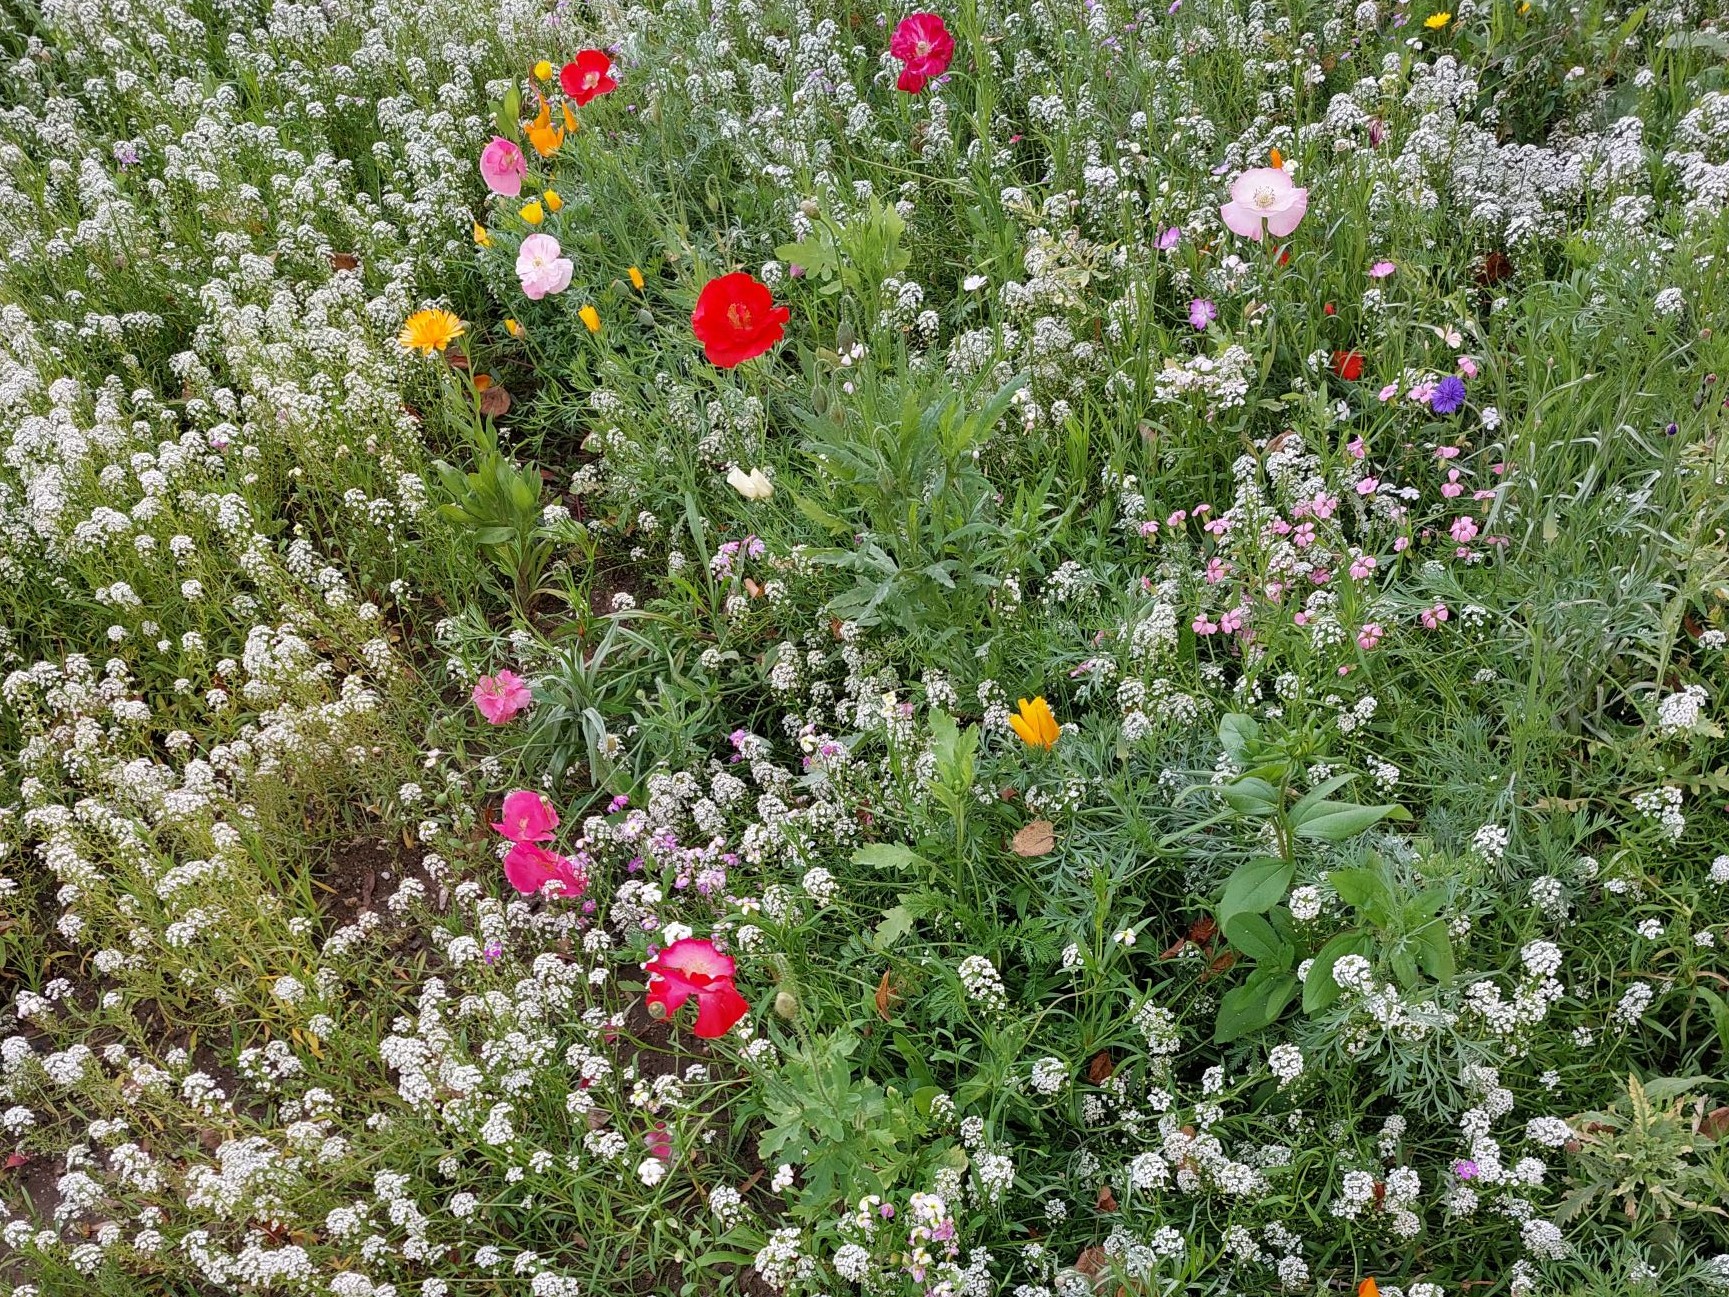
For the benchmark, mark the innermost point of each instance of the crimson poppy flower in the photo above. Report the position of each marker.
(735, 319)
(923, 43)
(694, 967)
(587, 76)
(1348, 365)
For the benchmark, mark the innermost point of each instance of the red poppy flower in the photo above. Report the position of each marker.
(923, 43)
(1348, 365)
(735, 319)
(694, 967)
(587, 76)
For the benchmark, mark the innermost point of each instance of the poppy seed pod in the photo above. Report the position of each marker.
(786, 1005)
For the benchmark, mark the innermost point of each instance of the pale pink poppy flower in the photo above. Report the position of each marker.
(1263, 199)
(540, 267)
(501, 697)
(502, 167)
(527, 817)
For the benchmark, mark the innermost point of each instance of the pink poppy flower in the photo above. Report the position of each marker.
(694, 967)
(923, 43)
(540, 267)
(530, 867)
(527, 817)
(502, 167)
(1263, 199)
(501, 697)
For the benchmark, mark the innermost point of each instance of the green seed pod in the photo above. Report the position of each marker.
(786, 1005)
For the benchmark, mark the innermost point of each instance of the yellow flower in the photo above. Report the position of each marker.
(635, 278)
(543, 71)
(533, 213)
(552, 200)
(481, 237)
(514, 329)
(429, 331)
(1036, 725)
(1434, 22)
(591, 318)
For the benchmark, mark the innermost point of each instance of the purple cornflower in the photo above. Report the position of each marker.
(1202, 312)
(1448, 396)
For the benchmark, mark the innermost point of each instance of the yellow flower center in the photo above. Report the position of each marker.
(922, 48)
(738, 315)
(1265, 197)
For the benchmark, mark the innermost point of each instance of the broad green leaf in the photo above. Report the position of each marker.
(1435, 951)
(889, 855)
(1237, 733)
(1337, 821)
(1250, 796)
(1254, 887)
(1254, 936)
(1365, 889)
(1255, 1004)
(896, 923)
(1319, 988)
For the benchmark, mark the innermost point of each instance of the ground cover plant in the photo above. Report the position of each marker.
(754, 647)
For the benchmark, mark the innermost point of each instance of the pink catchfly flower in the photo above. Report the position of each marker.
(541, 268)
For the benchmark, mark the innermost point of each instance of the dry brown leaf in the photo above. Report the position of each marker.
(1100, 1069)
(1091, 1261)
(1035, 839)
(344, 261)
(1107, 1200)
(494, 402)
(1715, 1123)
(885, 996)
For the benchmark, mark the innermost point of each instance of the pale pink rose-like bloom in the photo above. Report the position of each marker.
(527, 817)
(501, 697)
(1264, 198)
(502, 167)
(540, 267)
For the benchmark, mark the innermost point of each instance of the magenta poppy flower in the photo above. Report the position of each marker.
(1263, 199)
(501, 697)
(694, 967)
(529, 867)
(527, 817)
(503, 167)
(923, 43)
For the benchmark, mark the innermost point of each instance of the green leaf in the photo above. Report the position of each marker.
(1254, 936)
(1365, 889)
(1337, 821)
(1250, 796)
(896, 923)
(1319, 988)
(1256, 1004)
(1254, 887)
(821, 517)
(1238, 733)
(1435, 951)
(889, 855)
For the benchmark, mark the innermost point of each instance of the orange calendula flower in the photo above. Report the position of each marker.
(533, 213)
(552, 200)
(514, 329)
(542, 134)
(591, 318)
(430, 331)
(1035, 724)
(635, 278)
(481, 237)
(1368, 1288)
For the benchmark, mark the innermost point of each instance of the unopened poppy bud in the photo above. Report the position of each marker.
(809, 207)
(786, 1005)
(844, 337)
(645, 317)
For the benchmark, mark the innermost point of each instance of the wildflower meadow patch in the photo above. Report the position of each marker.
(775, 649)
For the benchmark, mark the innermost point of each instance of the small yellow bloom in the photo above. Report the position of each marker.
(481, 237)
(514, 329)
(533, 213)
(1035, 724)
(552, 200)
(635, 278)
(429, 331)
(591, 318)
(543, 71)
(1434, 22)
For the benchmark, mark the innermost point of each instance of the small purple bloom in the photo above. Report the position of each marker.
(1202, 312)
(493, 953)
(1448, 396)
(1169, 239)
(1465, 1169)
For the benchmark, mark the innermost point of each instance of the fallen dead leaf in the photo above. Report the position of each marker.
(1037, 838)
(1107, 1200)
(1100, 1068)
(344, 261)
(495, 402)
(885, 996)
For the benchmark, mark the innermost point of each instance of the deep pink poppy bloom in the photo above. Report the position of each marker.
(502, 166)
(529, 867)
(501, 697)
(527, 817)
(694, 967)
(923, 43)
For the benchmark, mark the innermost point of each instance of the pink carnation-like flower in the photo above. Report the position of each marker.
(1263, 199)
(502, 166)
(527, 817)
(501, 697)
(530, 867)
(540, 267)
